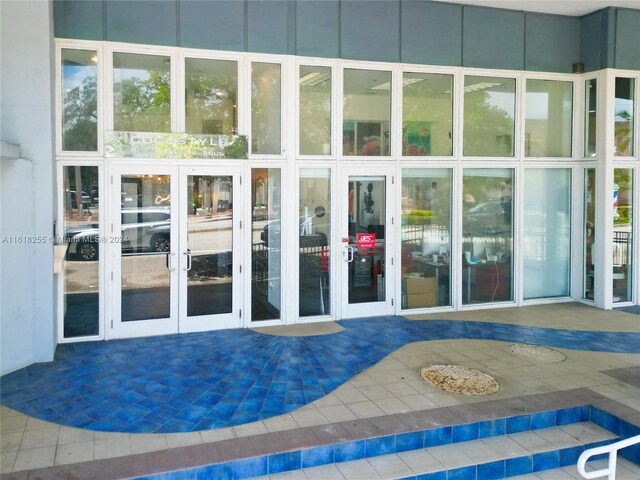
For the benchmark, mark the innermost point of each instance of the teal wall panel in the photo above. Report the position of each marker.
(197, 19)
(627, 39)
(142, 21)
(431, 33)
(552, 43)
(590, 41)
(78, 19)
(318, 28)
(267, 26)
(370, 30)
(493, 38)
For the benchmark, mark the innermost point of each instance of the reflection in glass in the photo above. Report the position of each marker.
(547, 233)
(489, 112)
(211, 89)
(622, 234)
(548, 118)
(426, 237)
(591, 104)
(589, 232)
(141, 93)
(367, 112)
(146, 249)
(266, 108)
(315, 110)
(487, 235)
(427, 114)
(209, 206)
(79, 100)
(366, 217)
(81, 229)
(624, 106)
(266, 254)
(314, 250)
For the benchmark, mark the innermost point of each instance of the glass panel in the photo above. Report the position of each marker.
(315, 232)
(266, 108)
(81, 207)
(489, 112)
(146, 235)
(622, 234)
(548, 118)
(426, 237)
(487, 235)
(315, 110)
(211, 90)
(367, 112)
(590, 232)
(141, 93)
(625, 88)
(209, 205)
(367, 213)
(427, 114)
(266, 256)
(79, 100)
(591, 104)
(547, 233)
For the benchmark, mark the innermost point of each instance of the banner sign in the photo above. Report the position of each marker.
(174, 145)
(366, 240)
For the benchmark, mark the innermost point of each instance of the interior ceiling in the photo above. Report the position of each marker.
(560, 7)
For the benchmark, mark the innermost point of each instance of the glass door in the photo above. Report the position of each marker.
(145, 259)
(366, 245)
(209, 248)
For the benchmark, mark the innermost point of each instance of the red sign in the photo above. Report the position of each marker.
(366, 240)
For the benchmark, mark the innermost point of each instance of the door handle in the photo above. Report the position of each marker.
(350, 254)
(188, 255)
(169, 262)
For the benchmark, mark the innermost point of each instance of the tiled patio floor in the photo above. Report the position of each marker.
(373, 363)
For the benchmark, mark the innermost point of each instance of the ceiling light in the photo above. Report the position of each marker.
(314, 78)
(405, 82)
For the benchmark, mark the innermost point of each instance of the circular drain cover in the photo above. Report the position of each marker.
(537, 353)
(459, 379)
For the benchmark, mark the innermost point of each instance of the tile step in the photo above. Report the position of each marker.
(486, 459)
(626, 470)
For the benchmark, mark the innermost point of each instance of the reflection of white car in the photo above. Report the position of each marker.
(143, 230)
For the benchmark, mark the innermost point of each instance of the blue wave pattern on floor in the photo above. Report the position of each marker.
(201, 381)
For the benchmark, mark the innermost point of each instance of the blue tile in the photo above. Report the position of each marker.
(433, 476)
(518, 466)
(545, 461)
(569, 456)
(437, 436)
(605, 420)
(543, 420)
(380, 446)
(462, 473)
(250, 467)
(492, 428)
(521, 423)
(215, 472)
(284, 462)
(492, 470)
(464, 433)
(317, 456)
(409, 441)
(566, 416)
(345, 452)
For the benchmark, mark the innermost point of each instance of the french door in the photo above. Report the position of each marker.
(176, 267)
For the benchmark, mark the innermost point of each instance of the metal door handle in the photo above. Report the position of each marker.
(188, 255)
(350, 254)
(169, 262)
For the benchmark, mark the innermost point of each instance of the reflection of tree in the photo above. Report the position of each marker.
(265, 110)
(315, 123)
(488, 129)
(80, 117)
(211, 97)
(143, 105)
(623, 133)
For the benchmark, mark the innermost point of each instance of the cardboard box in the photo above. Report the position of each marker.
(421, 300)
(421, 285)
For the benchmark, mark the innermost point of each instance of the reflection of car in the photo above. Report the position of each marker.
(143, 230)
(86, 199)
(271, 233)
(488, 217)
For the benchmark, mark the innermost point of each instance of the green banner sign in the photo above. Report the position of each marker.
(174, 145)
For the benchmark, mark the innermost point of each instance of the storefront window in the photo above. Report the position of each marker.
(589, 273)
(79, 100)
(367, 112)
(487, 235)
(141, 93)
(622, 234)
(266, 108)
(314, 246)
(211, 90)
(548, 113)
(315, 110)
(266, 252)
(591, 105)
(489, 116)
(427, 114)
(426, 237)
(547, 233)
(624, 106)
(81, 231)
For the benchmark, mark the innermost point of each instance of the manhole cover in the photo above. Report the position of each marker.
(537, 353)
(459, 379)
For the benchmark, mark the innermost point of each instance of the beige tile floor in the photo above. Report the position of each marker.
(391, 386)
